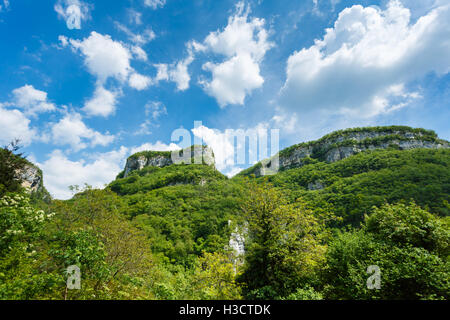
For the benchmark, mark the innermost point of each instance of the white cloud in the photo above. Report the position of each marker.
(244, 43)
(139, 53)
(362, 65)
(233, 171)
(64, 41)
(155, 109)
(103, 103)
(104, 57)
(31, 100)
(135, 16)
(233, 79)
(220, 142)
(288, 122)
(223, 145)
(154, 4)
(139, 82)
(139, 39)
(176, 72)
(180, 75)
(72, 131)
(157, 146)
(162, 72)
(144, 128)
(73, 12)
(61, 172)
(15, 125)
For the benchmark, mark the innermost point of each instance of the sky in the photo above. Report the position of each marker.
(84, 84)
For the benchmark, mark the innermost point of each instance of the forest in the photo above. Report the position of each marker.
(164, 233)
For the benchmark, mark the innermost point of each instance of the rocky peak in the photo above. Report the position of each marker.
(198, 155)
(32, 178)
(341, 144)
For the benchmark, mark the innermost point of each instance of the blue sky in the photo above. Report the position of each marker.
(85, 83)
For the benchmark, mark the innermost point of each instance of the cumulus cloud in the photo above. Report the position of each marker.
(233, 79)
(15, 125)
(106, 58)
(32, 101)
(243, 43)
(364, 62)
(157, 146)
(139, 82)
(72, 131)
(154, 4)
(176, 72)
(60, 172)
(73, 12)
(27, 101)
(103, 103)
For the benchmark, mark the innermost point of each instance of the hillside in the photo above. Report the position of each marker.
(161, 230)
(354, 185)
(342, 144)
(355, 169)
(185, 208)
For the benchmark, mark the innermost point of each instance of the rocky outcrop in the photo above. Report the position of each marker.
(198, 155)
(31, 178)
(343, 144)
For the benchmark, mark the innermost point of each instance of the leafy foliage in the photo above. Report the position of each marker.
(12, 164)
(356, 184)
(285, 244)
(407, 243)
(310, 232)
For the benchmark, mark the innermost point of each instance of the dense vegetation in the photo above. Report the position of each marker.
(11, 164)
(163, 233)
(356, 184)
(375, 137)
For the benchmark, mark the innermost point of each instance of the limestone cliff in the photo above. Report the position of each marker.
(140, 160)
(32, 178)
(345, 143)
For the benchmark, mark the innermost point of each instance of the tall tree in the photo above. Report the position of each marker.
(284, 244)
(12, 164)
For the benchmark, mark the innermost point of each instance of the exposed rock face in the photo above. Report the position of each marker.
(237, 245)
(341, 145)
(198, 155)
(32, 178)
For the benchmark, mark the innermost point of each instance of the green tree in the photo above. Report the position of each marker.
(22, 227)
(284, 247)
(215, 278)
(113, 255)
(407, 243)
(12, 164)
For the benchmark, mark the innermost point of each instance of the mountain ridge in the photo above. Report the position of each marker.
(341, 144)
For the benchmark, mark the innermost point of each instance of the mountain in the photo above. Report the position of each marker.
(350, 171)
(342, 144)
(185, 207)
(163, 228)
(140, 160)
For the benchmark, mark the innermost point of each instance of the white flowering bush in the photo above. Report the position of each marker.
(19, 222)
